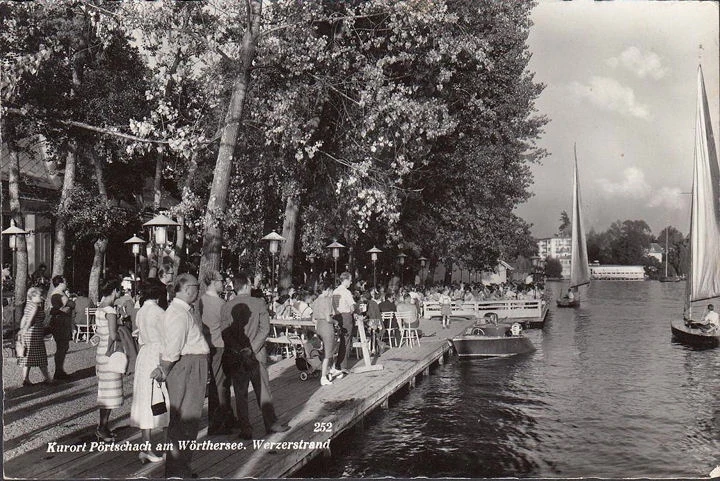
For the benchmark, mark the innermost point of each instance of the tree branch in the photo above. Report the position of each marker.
(82, 125)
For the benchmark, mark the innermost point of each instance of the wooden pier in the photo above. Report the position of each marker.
(316, 414)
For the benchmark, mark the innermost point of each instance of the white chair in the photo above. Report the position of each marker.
(85, 331)
(407, 333)
(388, 319)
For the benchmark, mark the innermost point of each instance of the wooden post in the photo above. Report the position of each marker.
(364, 344)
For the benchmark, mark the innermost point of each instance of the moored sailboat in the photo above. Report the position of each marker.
(666, 277)
(579, 268)
(703, 282)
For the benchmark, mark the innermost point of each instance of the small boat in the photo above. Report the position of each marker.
(565, 302)
(670, 279)
(487, 338)
(579, 267)
(703, 280)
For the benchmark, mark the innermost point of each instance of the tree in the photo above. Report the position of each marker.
(565, 224)
(553, 268)
(674, 240)
(630, 247)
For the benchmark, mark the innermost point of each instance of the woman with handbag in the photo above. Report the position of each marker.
(150, 402)
(110, 386)
(31, 338)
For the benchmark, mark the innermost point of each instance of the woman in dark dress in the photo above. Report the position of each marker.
(32, 336)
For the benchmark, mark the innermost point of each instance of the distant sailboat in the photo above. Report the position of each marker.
(704, 278)
(579, 268)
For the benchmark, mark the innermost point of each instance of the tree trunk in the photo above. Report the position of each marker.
(212, 239)
(21, 256)
(96, 269)
(287, 250)
(76, 68)
(157, 183)
(102, 242)
(448, 272)
(58, 265)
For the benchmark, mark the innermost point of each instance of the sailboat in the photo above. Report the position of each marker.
(579, 268)
(666, 277)
(703, 281)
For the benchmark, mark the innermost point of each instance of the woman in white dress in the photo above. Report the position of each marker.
(146, 391)
(110, 385)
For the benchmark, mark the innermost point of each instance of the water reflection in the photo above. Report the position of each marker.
(606, 394)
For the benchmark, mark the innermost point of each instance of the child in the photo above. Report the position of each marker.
(445, 308)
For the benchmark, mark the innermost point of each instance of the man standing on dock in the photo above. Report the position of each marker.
(183, 365)
(344, 305)
(257, 330)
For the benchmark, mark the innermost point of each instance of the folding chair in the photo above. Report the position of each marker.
(390, 330)
(86, 330)
(407, 333)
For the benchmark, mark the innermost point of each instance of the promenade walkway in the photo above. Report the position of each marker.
(315, 414)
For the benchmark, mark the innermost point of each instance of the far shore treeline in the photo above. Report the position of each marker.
(627, 243)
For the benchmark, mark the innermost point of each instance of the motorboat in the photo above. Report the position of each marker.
(487, 338)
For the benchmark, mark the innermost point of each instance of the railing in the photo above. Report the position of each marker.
(506, 308)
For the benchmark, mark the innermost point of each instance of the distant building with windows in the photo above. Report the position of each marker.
(558, 248)
(617, 273)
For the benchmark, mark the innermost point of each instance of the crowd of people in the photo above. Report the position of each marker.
(178, 340)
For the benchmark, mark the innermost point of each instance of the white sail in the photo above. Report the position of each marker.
(704, 279)
(579, 269)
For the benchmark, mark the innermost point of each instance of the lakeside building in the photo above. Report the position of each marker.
(656, 251)
(558, 248)
(617, 272)
(39, 185)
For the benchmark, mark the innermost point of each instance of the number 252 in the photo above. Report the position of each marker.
(323, 428)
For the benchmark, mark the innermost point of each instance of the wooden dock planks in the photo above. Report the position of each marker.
(301, 404)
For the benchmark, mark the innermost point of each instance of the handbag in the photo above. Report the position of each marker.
(118, 361)
(157, 403)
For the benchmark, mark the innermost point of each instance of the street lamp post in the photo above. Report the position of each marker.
(13, 231)
(423, 262)
(158, 225)
(274, 239)
(311, 258)
(374, 257)
(335, 248)
(401, 260)
(136, 244)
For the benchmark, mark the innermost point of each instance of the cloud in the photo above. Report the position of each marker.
(633, 185)
(667, 198)
(642, 64)
(608, 94)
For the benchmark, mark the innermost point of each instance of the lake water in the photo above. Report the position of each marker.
(606, 394)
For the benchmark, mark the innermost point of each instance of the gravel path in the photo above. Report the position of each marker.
(36, 415)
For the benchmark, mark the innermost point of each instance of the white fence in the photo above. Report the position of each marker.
(508, 308)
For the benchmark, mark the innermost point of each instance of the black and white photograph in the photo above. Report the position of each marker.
(360, 239)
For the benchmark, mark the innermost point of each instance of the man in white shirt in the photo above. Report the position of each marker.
(344, 306)
(183, 365)
(711, 317)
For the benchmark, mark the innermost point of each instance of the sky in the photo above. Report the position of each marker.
(621, 83)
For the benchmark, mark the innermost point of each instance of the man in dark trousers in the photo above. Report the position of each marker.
(61, 323)
(183, 365)
(257, 327)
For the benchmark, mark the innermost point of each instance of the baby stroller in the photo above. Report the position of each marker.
(309, 358)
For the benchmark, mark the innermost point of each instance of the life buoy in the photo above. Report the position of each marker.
(516, 329)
